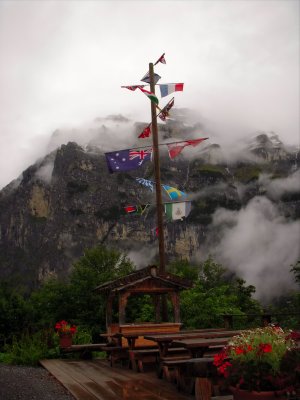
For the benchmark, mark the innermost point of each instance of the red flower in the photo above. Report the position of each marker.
(265, 348)
(63, 327)
(239, 350)
(219, 358)
(223, 369)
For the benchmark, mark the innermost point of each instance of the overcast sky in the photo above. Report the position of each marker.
(63, 62)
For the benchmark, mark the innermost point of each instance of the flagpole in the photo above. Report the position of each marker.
(159, 205)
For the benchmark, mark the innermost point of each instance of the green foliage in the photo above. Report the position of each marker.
(97, 266)
(29, 349)
(82, 336)
(247, 173)
(14, 313)
(209, 170)
(214, 294)
(51, 303)
(184, 269)
(140, 308)
(296, 270)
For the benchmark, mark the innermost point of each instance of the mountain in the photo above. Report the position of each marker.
(67, 202)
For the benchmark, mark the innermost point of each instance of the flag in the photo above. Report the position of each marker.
(177, 210)
(138, 209)
(134, 87)
(146, 132)
(173, 193)
(146, 183)
(161, 59)
(150, 95)
(126, 160)
(176, 148)
(146, 78)
(169, 88)
(165, 111)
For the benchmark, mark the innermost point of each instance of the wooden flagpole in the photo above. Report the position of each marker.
(159, 205)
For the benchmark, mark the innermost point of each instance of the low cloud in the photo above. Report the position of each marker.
(258, 244)
(277, 187)
(45, 172)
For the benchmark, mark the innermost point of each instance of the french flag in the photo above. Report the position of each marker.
(169, 88)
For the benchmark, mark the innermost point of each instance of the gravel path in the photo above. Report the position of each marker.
(28, 383)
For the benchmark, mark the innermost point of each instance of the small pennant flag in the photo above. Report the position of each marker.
(126, 160)
(173, 193)
(146, 78)
(165, 111)
(146, 132)
(134, 87)
(138, 209)
(146, 183)
(177, 210)
(176, 148)
(169, 88)
(150, 95)
(161, 59)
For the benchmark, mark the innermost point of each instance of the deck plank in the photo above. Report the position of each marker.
(96, 380)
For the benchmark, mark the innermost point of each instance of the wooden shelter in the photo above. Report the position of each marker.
(149, 281)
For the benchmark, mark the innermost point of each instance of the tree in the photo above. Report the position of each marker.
(97, 266)
(296, 270)
(216, 292)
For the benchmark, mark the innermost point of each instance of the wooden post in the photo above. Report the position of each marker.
(109, 306)
(123, 298)
(174, 296)
(159, 205)
(203, 389)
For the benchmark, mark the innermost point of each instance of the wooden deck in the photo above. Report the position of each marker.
(95, 379)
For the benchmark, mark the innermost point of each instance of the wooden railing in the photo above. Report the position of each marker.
(262, 319)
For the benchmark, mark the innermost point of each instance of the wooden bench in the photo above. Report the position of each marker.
(185, 371)
(85, 350)
(115, 354)
(138, 357)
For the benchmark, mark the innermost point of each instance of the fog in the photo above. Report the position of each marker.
(63, 62)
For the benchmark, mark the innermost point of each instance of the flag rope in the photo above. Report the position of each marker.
(162, 144)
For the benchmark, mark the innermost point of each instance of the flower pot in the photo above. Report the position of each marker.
(240, 394)
(65, 341)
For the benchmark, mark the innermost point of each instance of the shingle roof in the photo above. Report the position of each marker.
(150, 272)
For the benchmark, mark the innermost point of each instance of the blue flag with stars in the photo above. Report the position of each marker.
(126, 160)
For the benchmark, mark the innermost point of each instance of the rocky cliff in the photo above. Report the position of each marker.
(67, 202)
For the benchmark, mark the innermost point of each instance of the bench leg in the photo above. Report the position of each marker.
(203, 389)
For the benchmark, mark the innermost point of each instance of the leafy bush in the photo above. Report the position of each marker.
(29, 349)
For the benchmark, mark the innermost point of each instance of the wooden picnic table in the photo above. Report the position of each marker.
(164, 341)
(131, 337)
(198, 346)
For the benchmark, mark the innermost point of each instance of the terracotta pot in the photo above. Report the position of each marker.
(65, 341)
(239, 394)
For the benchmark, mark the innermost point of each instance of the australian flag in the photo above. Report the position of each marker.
(126, 160)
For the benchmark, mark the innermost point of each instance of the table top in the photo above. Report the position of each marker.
(201, 342)
(190, 335)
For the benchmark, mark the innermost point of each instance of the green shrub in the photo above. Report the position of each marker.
(29, 349)
(82, 336)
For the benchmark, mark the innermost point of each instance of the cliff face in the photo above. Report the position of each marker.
(68, 202)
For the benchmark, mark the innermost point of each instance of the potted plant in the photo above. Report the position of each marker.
(65, 331)
(254, 365)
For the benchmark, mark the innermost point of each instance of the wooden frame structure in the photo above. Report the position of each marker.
(149, 280)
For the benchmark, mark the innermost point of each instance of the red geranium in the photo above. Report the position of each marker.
(63, 327)
(253, 359)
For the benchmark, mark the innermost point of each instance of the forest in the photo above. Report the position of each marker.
(27, 319)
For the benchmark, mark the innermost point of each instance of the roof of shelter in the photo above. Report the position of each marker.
(150, 272)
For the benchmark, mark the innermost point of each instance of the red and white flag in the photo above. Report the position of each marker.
(176, 148)
(161, 59)
(146, 132)
(165, 111)
(134, 87)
